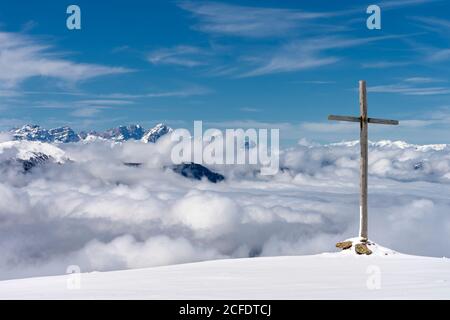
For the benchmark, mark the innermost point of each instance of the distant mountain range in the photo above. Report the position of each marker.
(68, 135)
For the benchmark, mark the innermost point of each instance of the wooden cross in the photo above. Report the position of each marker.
(364, 120)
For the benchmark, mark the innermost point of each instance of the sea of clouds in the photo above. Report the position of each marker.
(91, 210)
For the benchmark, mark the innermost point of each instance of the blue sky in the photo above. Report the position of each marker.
(280, 64)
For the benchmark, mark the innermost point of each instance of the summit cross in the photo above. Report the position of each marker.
(364, 121)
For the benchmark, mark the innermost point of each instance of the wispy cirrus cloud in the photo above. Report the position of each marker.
(250, 109)
(434, 24)
(310, 53)
(91, 108)
(186, 92)
(29, 25)
(119, 98)
(422, 80)
(86, 112)
(106, 102)
(396, 4)
(82, 108)
(410, 88)
(23, 57)
(440, 55)
(93, 105)
(384, 64)
(182, 55)
(441, 27)
(319, 82)
(246, 21)
(431, 53)
(9, 93)
(290, 60)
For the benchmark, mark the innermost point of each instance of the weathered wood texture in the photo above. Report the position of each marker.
(364, 160)
(383, 121)
(344, 118)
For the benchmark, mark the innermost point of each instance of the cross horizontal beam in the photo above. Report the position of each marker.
(383, 121)
(358, 119)
(344, 118)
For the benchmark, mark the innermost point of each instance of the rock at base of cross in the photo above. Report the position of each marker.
(361, 246)
(344, 245)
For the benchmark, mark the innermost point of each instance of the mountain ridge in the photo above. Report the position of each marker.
(65, 134)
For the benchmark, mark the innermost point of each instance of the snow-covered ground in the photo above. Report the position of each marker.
(324, 276)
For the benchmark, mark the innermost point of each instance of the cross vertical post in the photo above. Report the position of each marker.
(363, 225)
(364, 121)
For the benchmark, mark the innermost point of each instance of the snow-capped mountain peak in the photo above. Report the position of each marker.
(31, 133)
(124, 133)
(63, 134)
(36, 133)
(153, 134)
(26, 150)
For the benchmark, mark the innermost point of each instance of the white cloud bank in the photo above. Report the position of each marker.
(101, 215)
